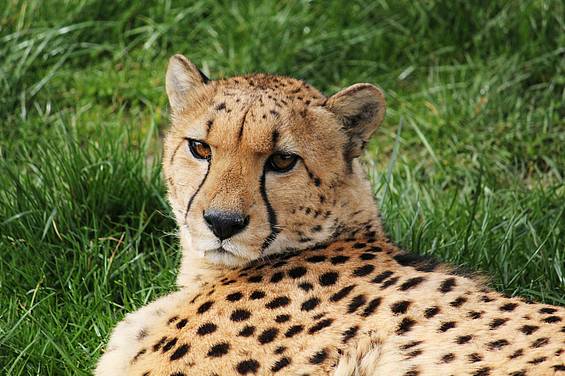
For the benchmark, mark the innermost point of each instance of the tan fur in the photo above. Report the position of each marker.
(330, 294)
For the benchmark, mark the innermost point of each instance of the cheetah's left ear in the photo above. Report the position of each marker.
(182, 78)
(361, 109)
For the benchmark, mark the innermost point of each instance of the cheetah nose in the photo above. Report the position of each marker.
(225, 224)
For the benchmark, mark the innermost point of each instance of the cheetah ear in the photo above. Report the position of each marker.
(361, 109)
(182, 77)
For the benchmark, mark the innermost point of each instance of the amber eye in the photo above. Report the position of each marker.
(199, 149)
(282, 162)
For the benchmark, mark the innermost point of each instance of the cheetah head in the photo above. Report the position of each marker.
(259, 164)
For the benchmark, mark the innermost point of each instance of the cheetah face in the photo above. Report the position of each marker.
(260, 164)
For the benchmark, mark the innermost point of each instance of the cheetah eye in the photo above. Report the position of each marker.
(199, 149)
(282, 162)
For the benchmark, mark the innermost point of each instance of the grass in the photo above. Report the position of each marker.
(469, 165)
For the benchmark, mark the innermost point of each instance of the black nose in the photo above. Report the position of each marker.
(225, 224)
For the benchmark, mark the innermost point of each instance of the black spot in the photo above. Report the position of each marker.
(413, 354)
(310, 304)
(180, 352)
(405, 325)
(448, 358)
(280, 364)
(140, 353)
(421, 263)
(485, 371)
(552, 319)
(219, 350)
(475, 315)
(412, 372)
(234, 297)
(169, 345)
(319, 357)
(316, 259)
(446, 326)
(204, 307)
(306, 286)
(339, 259)
(367, 256)
(363, 270)
(328, 278)
(293, 330)
(240, 315)
(355, 303)
(540, 342)
(257, 294)
(320, 325)
(316, 228)
(279, 350)
(431, 312)
(547, 310)
(516, 354)
(528, 329)
(381, 277)
(247, 366)
(498, 344)
(539, 360)
(559, 367)
(172, 319)
(160, 343)
(411, 283)
(409, 345)
(182, 323)
(372, 306)
(359, 245)
(497, 322)
(172, 374)
(349, 333)
(342, 293)
(400, 307)
(255, 279)
(278, 302)
(282, 318)
(463, 339)
(297, 272)
(389, 282)
(268, 335)
(486, 299)
(206, 329)
(277, 277)
(458, 302)
(509, 307)
(221, 106)
(247, 331)
(474, 358)
(447, 285)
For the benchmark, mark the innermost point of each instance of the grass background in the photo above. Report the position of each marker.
(469, 165)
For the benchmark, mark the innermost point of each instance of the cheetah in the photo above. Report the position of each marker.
(286, 268)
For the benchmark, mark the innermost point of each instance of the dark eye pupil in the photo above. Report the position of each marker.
(282, 162)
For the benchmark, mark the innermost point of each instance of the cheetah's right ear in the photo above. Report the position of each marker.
(361, 109)
(182, 77)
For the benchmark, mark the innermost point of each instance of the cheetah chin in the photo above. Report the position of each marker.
(286, 269)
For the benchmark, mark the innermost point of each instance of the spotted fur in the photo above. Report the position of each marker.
(312, 286)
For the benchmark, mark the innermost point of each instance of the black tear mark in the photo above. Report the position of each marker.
(272, 216)
(197, 190)
(176, 150)
(242, 125)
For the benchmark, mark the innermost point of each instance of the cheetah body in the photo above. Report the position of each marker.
(313, 286)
